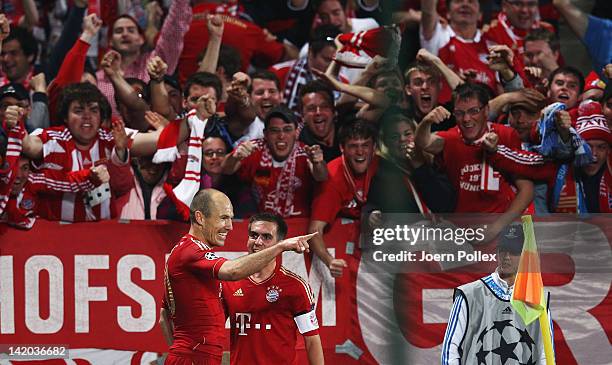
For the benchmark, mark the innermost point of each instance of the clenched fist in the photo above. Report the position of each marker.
(99, 175)
(315, 153)
(437, 116)
(244, 150)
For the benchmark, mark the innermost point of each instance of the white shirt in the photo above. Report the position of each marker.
(441, 36)
(255, 131)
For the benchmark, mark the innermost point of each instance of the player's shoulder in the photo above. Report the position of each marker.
(292, 278)
(188, 242)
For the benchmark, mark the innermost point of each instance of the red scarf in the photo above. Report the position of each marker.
(285, 188)
(350, 179)
(26, 83)
(8, 172)
(516, 35)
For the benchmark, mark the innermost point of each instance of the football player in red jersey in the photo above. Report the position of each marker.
(266, 308)
(192, 315)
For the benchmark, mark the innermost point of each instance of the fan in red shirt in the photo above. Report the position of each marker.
(192, 317)
(79, 146)
(460, 44)
(480, 188)
(345, 191)
(251, 41)
(280, 169)
(565, 85)
(513, 23)
(267, 307)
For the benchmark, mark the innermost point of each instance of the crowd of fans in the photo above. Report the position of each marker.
(125, 109)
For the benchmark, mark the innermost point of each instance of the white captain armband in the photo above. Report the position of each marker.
(307, 322)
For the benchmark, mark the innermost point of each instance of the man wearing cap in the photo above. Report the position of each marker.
(280, 168)
(14, 96)
(483, 324)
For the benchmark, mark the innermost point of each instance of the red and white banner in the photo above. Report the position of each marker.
(99, 286)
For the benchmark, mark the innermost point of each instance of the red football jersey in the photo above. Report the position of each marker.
(61, 155)
(480, 188)
(264, 317)
(249, 39)
(463, 55)
(336, 196)
(193, 298)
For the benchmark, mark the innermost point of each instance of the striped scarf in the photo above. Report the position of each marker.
(298, 76)
(183, 193)
(285, 185)
(8, 172)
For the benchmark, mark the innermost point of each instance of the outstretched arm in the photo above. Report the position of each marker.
(449, 75)
(249, 264)
(376, 99)
(429, 17)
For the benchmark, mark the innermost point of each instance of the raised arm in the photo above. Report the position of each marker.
(70, 33)
(429, 18)
(170, 42)
(239, 109)
(316, 162)
(136, 106)
(160, 101)
(31, 15)
(376, 99)
(576, 19)
(5, 28)
(449, 75)
(214, 24)
(423, 138)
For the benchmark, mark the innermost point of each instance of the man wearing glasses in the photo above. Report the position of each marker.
(266, 308)
(480, 188)
(280, 169)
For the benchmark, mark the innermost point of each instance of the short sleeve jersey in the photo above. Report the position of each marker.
(266, 316)
(192, 298)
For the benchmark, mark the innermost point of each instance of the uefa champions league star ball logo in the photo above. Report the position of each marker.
(505, 344)
(273, 293)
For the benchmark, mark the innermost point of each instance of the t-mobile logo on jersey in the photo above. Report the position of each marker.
(243, 322)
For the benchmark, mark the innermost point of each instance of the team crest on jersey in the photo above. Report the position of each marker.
(273, 293)
(211, 256)
(27, 204)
